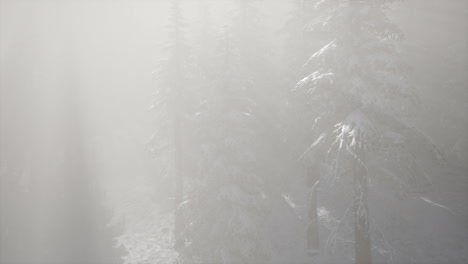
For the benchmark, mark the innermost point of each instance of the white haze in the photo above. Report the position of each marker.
(88, 172)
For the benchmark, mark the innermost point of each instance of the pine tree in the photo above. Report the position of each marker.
(227, 204)
(297, 47)
(357, 100)
(151, 210)
(172, 105)
(257, 74)
(226, 207)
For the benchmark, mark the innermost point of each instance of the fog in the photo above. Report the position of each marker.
(233, 131)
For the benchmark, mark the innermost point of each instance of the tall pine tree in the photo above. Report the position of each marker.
(172, 100)
(357, 101)
(228, 205)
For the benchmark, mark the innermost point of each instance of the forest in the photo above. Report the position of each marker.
(233, 131)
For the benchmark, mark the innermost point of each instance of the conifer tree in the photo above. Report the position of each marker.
(227, 204)
(298, 45)
(151, 210)
(172, 98)
(358, 99)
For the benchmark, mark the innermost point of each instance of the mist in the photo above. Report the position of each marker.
(233, 131)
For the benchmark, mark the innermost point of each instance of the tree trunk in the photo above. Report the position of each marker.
(179, 220)
(362, 242)
(313, 240)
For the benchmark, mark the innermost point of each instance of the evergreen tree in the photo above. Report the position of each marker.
(172, 105)
(228, 203)
(257, 74)
(357, 101)
(298, 45)
(151, 210)
(226, 207)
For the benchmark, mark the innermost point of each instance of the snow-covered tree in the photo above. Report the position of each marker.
(227, 206)
(153, 219)
(172, 104)
(258, 75)
(357, 101)
(298, 45)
